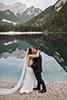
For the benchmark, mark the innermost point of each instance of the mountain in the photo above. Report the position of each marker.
(29, 13)
(51, 19)
(59, 4)
(41, 18)
(2, 6)
(8, 15)
(17, 7)
(19, 11)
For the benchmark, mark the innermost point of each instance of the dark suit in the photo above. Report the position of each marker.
(37, 64)
(37, 68)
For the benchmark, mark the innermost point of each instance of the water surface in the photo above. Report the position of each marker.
(12, 49)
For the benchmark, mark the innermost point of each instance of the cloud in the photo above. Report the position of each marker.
(37, 3)
(7, 1)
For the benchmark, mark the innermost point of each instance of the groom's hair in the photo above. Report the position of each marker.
(36, 48)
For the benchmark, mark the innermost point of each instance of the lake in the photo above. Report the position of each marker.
(12, 53)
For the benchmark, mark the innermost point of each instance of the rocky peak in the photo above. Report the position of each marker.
(59, 4)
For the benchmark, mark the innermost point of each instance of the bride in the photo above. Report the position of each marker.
(29, 81)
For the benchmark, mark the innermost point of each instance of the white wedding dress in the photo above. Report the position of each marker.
(29, 81)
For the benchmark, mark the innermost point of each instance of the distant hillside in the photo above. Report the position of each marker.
(51, 20)
(29, 14)
(8, 15)
(18, 11)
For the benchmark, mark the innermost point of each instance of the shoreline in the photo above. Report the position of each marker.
(30, 33)
(56, 90)
(11, 84)
(20, 33)
(47, 81)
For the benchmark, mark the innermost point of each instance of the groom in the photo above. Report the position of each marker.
(37, 68)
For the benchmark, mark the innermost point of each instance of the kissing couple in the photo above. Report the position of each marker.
(33, 79)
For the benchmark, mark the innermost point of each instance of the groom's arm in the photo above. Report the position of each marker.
(35, 55)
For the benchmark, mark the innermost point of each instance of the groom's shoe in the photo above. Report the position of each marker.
(42, 91)
(36, 88)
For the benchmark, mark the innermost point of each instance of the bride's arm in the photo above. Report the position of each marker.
(28, 61)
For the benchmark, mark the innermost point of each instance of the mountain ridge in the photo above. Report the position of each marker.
(50, 19)
(8, 15)
(17, 7)
(20, 12)
(29, 14)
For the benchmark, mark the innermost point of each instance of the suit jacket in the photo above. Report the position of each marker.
(37, 64)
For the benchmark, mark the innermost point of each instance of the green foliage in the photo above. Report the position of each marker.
(24, 28)
(19, 27)
(6, 27)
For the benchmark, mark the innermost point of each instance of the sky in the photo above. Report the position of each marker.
(36, 3)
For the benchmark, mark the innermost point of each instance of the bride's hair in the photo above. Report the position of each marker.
(29, 51)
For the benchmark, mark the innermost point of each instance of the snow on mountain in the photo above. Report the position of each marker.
(8, 21)
(32, 11)
(7, 12)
